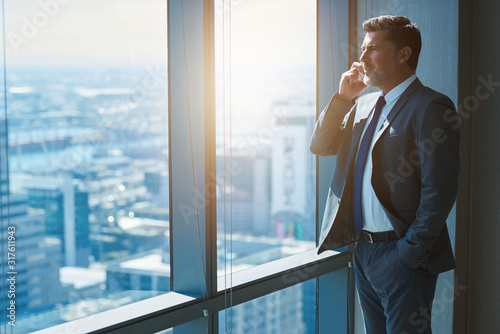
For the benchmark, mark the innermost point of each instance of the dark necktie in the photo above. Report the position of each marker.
(364, 147)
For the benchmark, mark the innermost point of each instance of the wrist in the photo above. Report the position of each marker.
(343, 98)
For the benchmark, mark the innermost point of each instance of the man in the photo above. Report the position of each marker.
(395, 179)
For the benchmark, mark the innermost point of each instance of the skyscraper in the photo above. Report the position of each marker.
(31, 260)
(293, 170)
(35, 283)
(66, 215)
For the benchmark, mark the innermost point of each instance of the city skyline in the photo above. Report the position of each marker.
(121, 177)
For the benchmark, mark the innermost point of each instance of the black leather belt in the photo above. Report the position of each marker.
(372, 237)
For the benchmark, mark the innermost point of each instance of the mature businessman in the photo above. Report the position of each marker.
(395, 179)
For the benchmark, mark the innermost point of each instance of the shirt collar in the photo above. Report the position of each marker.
(396, 92)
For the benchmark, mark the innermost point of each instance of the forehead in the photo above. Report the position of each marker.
(373, 38)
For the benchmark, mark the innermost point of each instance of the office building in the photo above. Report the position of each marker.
(65, 205)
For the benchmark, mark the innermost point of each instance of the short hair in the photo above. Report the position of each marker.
(401, 32)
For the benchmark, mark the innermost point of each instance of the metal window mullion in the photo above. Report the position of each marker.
(210, 157)
(188, 205)
(335, 290)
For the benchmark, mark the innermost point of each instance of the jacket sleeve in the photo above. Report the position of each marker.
(327, 131)
(438, 148)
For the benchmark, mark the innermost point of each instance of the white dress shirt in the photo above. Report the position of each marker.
(374, 217)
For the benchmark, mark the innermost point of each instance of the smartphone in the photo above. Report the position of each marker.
(362, 75)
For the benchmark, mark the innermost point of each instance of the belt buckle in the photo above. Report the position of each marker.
(369, 236)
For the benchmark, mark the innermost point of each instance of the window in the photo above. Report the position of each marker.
(265, 111)
(87, 115)
(113, 164)
(291, 310)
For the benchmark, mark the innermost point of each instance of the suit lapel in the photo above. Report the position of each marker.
(397, 107)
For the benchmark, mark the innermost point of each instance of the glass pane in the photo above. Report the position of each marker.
(87, 152)
(291, 310)
(266, 107)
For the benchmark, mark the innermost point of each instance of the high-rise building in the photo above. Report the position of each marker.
(145, 272)
(278, 312)
(246, 192)
(66, 207)
(37, 258)
(293, 170)
(32, 260)
(156, 181)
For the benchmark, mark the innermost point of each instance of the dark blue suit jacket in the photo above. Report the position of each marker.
(415, 172)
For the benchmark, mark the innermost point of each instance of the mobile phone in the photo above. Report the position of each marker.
(362, 75)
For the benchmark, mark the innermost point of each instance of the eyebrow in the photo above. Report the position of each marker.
(364, 47)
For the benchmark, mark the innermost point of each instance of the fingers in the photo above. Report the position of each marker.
(351, 82)
(359, 67)
(348, 77)
(356, 66)
(353, 75)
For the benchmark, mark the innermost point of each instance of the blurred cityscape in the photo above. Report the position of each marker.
(85, 182)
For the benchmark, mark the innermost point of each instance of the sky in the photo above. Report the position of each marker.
(134, 32)
(85, 32)
(270, 31)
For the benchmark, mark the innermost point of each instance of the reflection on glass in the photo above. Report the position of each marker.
(87, 188)
(266, 107)
(292, 310)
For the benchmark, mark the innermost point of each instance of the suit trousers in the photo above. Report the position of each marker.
(394, 298)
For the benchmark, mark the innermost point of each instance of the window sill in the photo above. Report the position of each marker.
(172, 309)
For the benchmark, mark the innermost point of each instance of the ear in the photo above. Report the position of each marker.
(404, 54)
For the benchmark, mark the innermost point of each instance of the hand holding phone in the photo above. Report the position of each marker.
(351, 83)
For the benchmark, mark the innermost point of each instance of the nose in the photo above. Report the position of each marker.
(363, 57)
